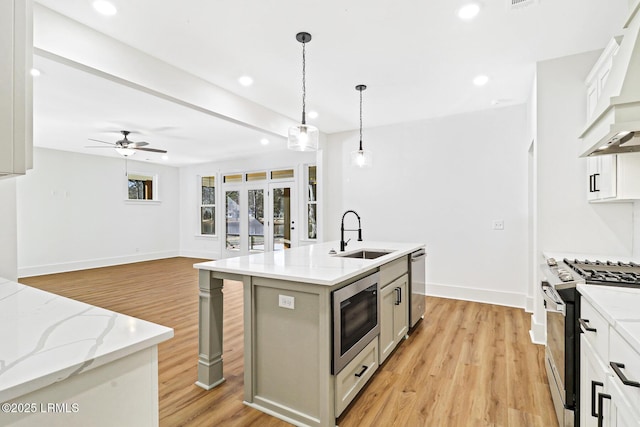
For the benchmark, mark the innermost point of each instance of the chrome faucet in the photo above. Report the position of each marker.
(343, 244)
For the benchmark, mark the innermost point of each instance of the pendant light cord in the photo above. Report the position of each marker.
(360, 120)
(304, 82)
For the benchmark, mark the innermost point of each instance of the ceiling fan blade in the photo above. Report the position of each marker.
(153, 150)
(138, 144)
(96, 146)
(104, 142)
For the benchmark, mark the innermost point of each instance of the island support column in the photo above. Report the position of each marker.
(209, 330)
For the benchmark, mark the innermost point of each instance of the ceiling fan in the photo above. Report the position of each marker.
(126, 147)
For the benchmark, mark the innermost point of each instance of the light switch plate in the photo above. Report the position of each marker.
(498, 224)
(286, 301)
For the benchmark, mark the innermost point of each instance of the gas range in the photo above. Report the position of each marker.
(570, 272)
(610, 273)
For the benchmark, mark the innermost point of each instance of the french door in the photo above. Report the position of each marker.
(259, 218)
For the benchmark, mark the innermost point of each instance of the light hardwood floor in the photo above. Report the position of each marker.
(466, 364)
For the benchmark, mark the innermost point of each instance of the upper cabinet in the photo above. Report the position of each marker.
(614, 178)
(16, 104)
(598, 76)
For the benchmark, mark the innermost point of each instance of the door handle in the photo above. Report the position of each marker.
(398, 295)
(626, 381)
(583, 324)
(601, 397)
(594, 384)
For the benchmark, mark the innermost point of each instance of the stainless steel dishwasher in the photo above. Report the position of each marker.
(418, 285)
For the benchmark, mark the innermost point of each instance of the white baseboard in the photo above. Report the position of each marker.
(537, 332)
(509, 299)
(39, 270)
(201, 254)
(529, 307)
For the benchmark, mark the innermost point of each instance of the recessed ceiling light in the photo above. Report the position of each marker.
(35, 72)
(104, 7)
(245, 81)
(165, 157)
(313, 114)
(468, 11)
(480, 80)
(264, 141)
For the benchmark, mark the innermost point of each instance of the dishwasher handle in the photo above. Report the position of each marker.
(418, 255)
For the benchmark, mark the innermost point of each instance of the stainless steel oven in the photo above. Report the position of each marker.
(559, 353)
(356, 313)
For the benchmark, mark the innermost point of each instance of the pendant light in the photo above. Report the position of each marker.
(361, 158)
(303, 137)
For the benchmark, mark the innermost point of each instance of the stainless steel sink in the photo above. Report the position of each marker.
(366, 254)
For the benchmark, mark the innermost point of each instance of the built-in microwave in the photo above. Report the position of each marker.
(356, 319)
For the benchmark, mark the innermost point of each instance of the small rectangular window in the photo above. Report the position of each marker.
(141, 187)
(256, 176)
(283, 173)
(232, 178)
(208, 206)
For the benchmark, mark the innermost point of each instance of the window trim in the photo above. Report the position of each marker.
(155, 188)
(216, 181)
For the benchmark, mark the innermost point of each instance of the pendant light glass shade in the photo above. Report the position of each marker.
(303, 137)
(126, 152)
(361, 158)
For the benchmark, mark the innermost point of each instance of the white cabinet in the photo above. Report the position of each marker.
(593, 380)
(598, 75)
(613, 178)
(355, 375)
(16, 106)
(609, 373)
(394, 315)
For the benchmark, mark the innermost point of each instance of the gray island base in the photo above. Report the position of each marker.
(288, 325)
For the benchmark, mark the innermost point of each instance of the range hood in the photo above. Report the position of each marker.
(615, 124)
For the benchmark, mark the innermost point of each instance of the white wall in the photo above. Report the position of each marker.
(72, 214)
(8, 234)
(566, 221)
(191, 243)
(443, 182)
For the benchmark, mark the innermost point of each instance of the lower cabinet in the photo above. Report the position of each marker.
(355, 375)
(394, 315)
(609, 374)
(593, 381)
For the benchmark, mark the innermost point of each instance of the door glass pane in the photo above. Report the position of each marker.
(232, 220)
(281, 218)
(312, 231)
(256, 220)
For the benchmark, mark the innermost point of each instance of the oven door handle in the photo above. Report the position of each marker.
(553, 301)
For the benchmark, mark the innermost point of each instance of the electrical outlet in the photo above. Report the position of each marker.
(498, 225)
(286, 301)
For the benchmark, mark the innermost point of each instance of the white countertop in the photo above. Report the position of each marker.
(46, 338)
(311, 264)
(619, 306)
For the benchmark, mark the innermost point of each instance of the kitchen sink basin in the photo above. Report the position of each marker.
(366, 254)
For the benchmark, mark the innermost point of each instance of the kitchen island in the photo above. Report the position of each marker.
(67, 363)
(288, 327)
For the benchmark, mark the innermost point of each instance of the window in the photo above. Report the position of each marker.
(208, 205)
(281, 174)
(141, 187)
(312, 203)
(232, 178)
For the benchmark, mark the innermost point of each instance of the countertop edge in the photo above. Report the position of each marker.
(353, 271)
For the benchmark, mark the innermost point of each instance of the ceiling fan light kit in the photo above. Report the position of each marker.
(360, 157)
(125, 147)
(303, 137)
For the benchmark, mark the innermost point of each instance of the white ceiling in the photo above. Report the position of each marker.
(416, 57)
